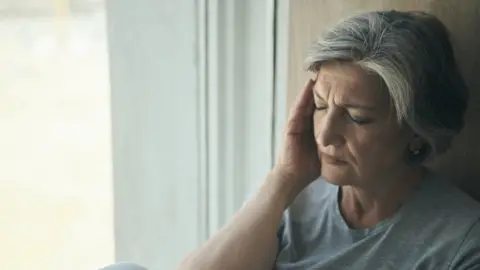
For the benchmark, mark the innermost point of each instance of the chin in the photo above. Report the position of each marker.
(336, 175)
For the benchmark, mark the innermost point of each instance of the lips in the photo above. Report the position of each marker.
(332, 159)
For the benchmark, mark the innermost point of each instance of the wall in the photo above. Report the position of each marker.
(308, 18)
(153, 54)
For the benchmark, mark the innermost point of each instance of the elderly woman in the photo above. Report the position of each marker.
(350, 190)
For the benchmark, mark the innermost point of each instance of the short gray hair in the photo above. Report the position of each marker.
(412, 54)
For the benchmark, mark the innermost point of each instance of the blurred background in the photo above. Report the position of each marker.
(56, 168)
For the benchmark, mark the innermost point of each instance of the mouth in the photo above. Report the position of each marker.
(332, 159)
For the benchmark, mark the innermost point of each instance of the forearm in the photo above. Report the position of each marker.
(249, 240)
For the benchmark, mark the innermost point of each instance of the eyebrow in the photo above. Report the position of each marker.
(349, 105)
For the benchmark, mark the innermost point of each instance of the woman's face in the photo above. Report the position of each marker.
(357, 135)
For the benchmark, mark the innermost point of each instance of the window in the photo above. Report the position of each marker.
(55, 174)
(132, 130)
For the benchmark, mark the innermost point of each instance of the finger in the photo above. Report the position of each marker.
(303, 102)
(305, 96)
(301, 113)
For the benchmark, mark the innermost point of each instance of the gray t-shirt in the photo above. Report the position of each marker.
(437, 228)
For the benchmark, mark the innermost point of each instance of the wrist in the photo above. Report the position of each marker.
(282, 186)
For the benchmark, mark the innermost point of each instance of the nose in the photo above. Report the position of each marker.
(328, 131)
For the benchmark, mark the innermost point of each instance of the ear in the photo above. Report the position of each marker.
(417, 151)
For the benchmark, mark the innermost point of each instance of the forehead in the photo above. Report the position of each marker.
(350, 83)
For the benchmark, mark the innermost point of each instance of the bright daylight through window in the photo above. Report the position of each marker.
(55, 177)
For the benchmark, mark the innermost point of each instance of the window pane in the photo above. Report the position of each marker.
(55, 174)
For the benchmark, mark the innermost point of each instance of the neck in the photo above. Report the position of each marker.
(365, 207)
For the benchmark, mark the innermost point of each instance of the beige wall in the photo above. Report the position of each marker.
(308, 18)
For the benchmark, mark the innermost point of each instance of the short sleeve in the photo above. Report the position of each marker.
(468, 255)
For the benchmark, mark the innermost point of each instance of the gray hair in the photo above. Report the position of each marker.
(412, 54)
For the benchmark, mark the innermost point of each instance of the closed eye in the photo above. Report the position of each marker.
(355, 119)
(359, 120)
(320, 105)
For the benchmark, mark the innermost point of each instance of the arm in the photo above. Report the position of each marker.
(249, 240)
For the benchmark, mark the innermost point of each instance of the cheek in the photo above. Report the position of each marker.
(361, 142)
(376, 148)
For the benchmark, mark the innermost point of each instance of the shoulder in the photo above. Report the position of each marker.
(314, 199)
(310, 208)
(444, 204)
(468, 254)
(451, 219)
(304, 218)
(451, 202)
